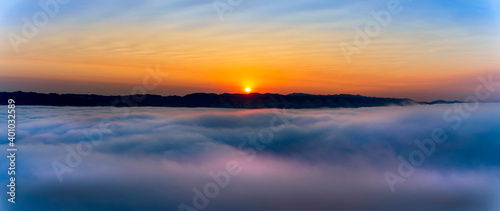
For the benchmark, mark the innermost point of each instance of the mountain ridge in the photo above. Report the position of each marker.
(208, 100)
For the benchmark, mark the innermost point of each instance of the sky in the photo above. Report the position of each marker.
(428, 50)
(321, 159)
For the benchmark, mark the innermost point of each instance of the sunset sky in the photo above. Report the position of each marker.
(430, 50)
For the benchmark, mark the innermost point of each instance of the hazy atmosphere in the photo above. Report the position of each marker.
(250, 105)
(152, 158)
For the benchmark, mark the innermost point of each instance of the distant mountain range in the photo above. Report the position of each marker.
(251, 100)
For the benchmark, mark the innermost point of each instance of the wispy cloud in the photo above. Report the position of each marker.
(264, 42)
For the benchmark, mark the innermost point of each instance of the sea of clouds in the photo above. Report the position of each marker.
(318, 159)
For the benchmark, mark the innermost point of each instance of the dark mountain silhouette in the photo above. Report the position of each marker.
(444, 102)
(252, 100)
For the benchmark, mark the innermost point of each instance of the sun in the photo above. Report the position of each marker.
(248, 90)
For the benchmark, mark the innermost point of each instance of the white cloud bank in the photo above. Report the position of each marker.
(331, 159)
